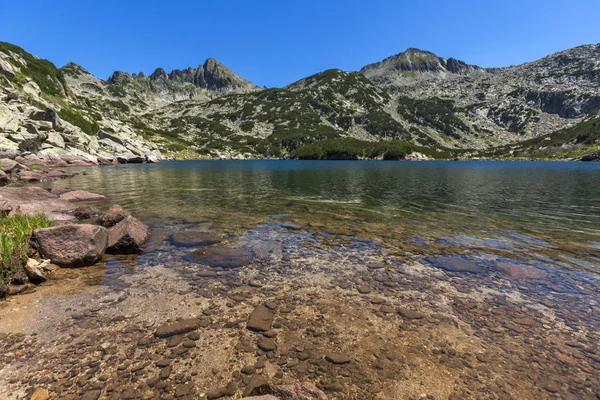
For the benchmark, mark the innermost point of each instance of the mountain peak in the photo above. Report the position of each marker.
(417, 61)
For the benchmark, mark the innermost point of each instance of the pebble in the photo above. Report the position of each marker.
(177, 328)
(337, 358)
(260, 319)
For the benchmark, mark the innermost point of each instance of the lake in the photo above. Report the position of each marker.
(391, 280)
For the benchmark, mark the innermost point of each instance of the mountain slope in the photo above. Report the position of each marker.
(412, 103)
(280, 122)
(502, 105)
(39, 114)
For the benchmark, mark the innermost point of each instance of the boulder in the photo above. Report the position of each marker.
(33, 200)
(337, 358)
(7, 165)
(4, 179)
(113, 216)
(71, 245)
(296, 391)
(10, 153)
(55, 139)
(40, 394)
(255, 382)
(57, 174)
(85, 212)
(591, 156)
(128, 236)
(112, 137)
(48, 115)
(58, 163)
(6, 69)
(81, 195)
(81, 163)
(32, 176)
(152, 159)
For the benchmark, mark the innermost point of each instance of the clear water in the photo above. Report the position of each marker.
(524, 206)
(492, 268)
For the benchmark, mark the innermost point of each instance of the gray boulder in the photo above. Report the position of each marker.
(113, 216)
(71, 245)
(128, 236)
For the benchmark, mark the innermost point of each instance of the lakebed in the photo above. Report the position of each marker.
(387, 280)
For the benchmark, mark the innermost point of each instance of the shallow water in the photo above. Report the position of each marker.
(441, 279)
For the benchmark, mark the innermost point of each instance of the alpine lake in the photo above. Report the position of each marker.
(387, 280)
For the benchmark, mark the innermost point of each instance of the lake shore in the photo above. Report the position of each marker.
(355, 307)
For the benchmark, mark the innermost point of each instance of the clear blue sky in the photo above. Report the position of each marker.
(274, 43)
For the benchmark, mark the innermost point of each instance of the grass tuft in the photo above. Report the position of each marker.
(15, 232)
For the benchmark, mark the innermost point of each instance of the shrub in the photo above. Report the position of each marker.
(76, 118)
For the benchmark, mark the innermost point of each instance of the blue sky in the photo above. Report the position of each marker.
(274, 43)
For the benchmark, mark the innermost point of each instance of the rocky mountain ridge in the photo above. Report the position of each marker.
(412, 104)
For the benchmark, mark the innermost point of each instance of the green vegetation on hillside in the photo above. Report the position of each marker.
(77, 118)
(353, 149)
(436, 113)
(49, 78)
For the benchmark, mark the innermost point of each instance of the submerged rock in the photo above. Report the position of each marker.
(128, 237)
(260, 319)
(221, 257)
(177, 328)
(456, 264)
(337, 358)
(193, 239)
(71, 245)
(296, 391)
(521, 271)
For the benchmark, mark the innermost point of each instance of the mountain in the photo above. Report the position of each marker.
(324, 108)
(413, 104)
(415, 60)
(496, 106)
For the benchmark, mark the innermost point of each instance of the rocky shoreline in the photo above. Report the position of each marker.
(80, 237)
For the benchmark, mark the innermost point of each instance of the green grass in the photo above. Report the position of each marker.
(35, 168)
(15, 232)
